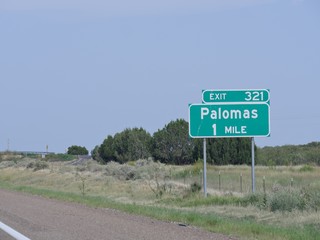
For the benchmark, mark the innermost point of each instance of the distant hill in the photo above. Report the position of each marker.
(289, 154)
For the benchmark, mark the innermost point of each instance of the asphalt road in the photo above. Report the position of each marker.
(5, 236)
(39, 218)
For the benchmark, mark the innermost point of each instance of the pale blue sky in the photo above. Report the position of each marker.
(73, 72)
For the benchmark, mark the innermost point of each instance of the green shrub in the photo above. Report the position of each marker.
(59, 157)
(306, 168)
(6, 164)
(256, 199)
(195, 187)
(39, 165)
(31, 155)
(284, 200)
(197, 166)
(122, 171)
(312, 198)
(314, 202)
(287, 201)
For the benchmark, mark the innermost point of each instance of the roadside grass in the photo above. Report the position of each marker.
(245, 228)
(298, 176)
(129, 189)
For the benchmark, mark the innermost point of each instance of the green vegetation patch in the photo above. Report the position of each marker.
(284, 209)
(306, 168)
(60, 157)
(244, 228)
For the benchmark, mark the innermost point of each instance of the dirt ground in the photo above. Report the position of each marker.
(39, 218)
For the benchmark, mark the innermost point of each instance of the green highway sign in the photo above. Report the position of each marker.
(229, 120)
(235, 96)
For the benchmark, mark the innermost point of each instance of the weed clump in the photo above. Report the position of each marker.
(59, 157)
(121, 171)
(141, 169)
(6, 164)
(312, 198)
(39, 165)
(195, 187)
(306, 168)
(256, 199)
(192, 191)
(287, 201)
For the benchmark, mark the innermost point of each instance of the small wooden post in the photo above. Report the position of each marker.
(241, 182)
(219, 181)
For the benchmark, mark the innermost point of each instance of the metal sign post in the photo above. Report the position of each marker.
(205, 167)
(252, 166)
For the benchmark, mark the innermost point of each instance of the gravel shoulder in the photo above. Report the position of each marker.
(41, 218)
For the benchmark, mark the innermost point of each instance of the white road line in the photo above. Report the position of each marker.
(12, 232)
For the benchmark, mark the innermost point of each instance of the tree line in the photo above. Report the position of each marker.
(290, 155)
(171, 145)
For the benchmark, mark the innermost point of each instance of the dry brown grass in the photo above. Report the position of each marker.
(133, 183)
